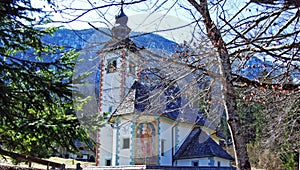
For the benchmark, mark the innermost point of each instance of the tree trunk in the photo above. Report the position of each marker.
(229, 98)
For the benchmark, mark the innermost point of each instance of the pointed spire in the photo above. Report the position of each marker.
(121, 30)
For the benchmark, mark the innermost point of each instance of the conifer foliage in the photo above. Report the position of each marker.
(36, 93)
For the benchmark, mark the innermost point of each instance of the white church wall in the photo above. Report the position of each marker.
(166, 135)
(183, 130)
(222, 162)
(124, 149)
(119, 77)
(132, 64)
(114, 147)
(111, 96)
(190, 162)
(112, 76)
(206, 161)
(111, 84)
(106, 136)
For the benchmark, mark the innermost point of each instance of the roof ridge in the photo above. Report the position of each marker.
(200, 144)
(186, 142)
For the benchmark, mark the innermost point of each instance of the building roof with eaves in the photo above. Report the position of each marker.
(198, 145)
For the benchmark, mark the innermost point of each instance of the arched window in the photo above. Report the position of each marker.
(111, 65)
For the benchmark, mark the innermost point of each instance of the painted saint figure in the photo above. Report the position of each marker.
(146, 140)
(146, 145)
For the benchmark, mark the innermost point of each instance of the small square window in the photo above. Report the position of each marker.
(126, 143)
(195, 163)
(110, 108)
(111, 65)
(108, 162)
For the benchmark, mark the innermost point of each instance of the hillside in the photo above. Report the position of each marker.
(78, 39)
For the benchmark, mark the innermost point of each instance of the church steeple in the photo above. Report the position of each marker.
(120, 30)
(121, 18)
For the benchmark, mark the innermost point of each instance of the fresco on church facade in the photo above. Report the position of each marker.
(146, 143)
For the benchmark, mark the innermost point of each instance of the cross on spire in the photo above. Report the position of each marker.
(121, 18)
(122, 3)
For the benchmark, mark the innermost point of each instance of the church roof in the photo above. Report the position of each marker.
(198, 145)
(138, 101)
(115, 44)
(143, 99)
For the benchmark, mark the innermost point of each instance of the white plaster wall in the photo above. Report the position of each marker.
(106, 140)
(183, 131)
(223, 162)
(110, 98)
(125, 132)
(114, 147)
(131, 77)
(166, 135)
(204, 162)
(188, 162)
(111, 93)
(111, 85)
(112, 81)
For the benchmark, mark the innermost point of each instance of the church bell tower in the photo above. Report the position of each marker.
(116, 74)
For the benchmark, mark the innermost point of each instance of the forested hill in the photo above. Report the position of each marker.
(78, 39)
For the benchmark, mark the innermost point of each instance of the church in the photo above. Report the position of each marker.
(150, 121)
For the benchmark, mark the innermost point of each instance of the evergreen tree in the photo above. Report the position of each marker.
(36, 92)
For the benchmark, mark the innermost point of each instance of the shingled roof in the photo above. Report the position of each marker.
(198, 145)
(141, 100)
(115, 44)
